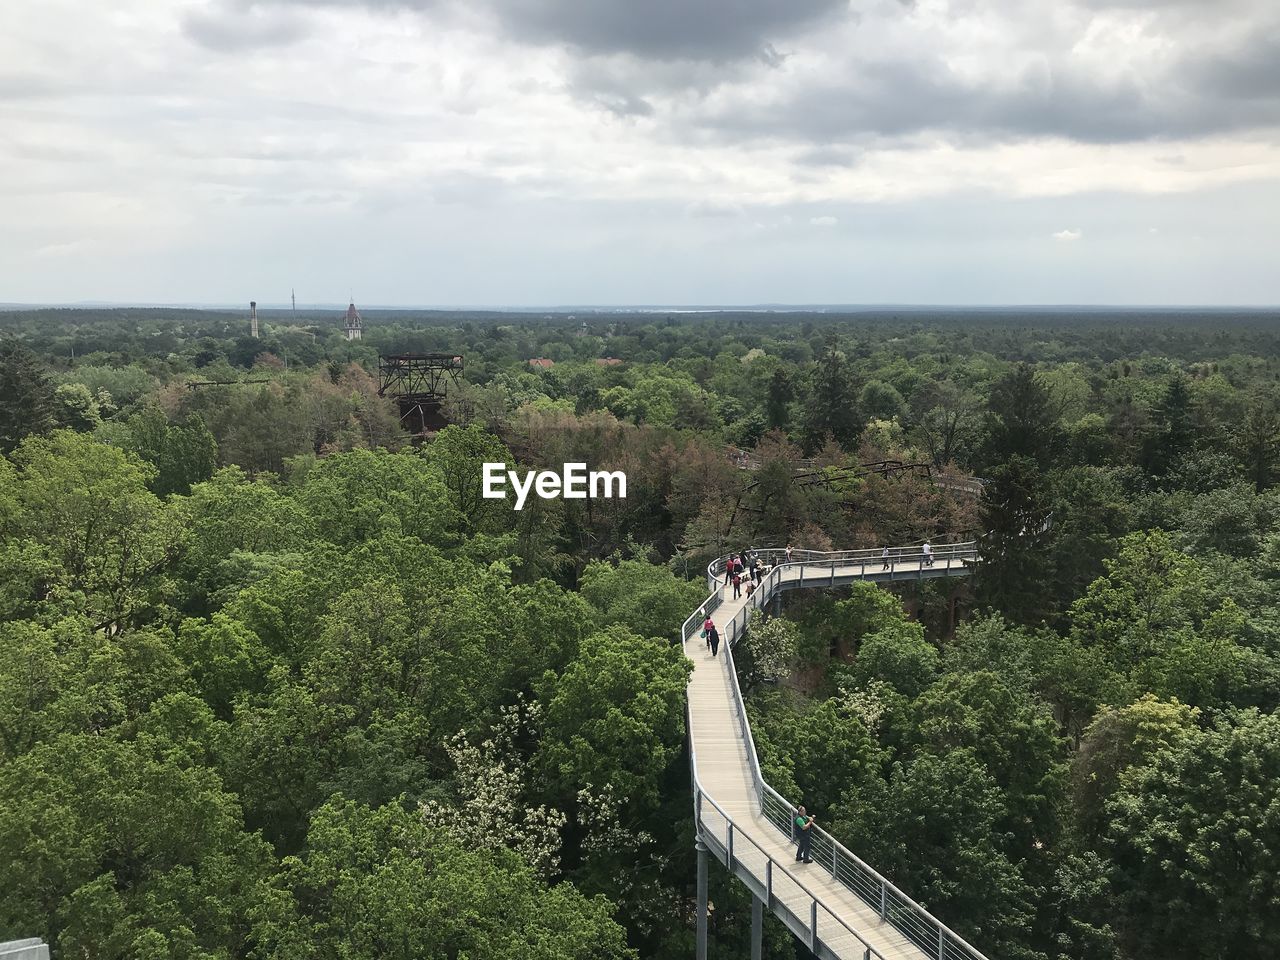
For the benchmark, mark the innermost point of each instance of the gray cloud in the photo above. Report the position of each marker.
(236, 26)
(623, 104)
(1251, 73)
(902, 98)
(643, 59)
(826, 156)
(715, 30)
(770, 56)
(664, 29)
(29, 86)
(523, 151)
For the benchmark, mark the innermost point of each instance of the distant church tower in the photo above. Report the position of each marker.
(253, 319)
(352, 322)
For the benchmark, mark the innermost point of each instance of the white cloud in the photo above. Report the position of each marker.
(268, 136)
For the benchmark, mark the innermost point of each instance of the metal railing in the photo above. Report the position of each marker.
(890, 904)
(872, 560)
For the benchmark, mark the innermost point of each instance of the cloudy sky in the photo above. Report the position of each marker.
(527, 152)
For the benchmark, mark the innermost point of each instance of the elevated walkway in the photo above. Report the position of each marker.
(838, 905)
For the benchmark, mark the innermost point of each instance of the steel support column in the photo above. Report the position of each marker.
(757, 928)
(702, 899)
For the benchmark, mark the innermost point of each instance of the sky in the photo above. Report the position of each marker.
(541, 152)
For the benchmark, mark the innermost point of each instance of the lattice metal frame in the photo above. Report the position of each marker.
(419, 383)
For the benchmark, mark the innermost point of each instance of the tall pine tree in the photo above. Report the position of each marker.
(1022, 421)
(1016, 575)
(776, 403)
(26, 396)
(833, 402)
(1172, 429)
(1257, 443)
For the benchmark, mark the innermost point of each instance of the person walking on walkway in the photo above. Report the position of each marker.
(804, 835)
(737, 585)
(707, 629)
(713, 639)
(788, 553)
(885, 557)
(927, 550)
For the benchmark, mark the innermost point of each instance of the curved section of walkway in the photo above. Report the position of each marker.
(838, 905)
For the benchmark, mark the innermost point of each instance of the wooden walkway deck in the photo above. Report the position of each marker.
(808, 897)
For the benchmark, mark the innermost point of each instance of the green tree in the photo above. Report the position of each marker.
(26, 396)
(1089, 512)
(898, 655)
(378, 884)
(1160, 627)
(1230, 520)
(1195, 841)
(225, 659)
(827, 751)
(778, 400)
(1016, 574)
(1014, 737)
(947, 422)
(1022, 420)
(1117, 740)
(31, 680)
(880, 400)
(358, 495)
(1084, 904)
(934, 827)
(127, 849)
(183, 454)
(615, 716)
(1172, 428)
(230, 518)
(88, 505)
(648, 600)
(1257, 443)
(832, 405)
(767, 651)
(76, 408)
(460, 453)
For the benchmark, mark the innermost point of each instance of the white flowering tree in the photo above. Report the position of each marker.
(770, 649)
(490, 781)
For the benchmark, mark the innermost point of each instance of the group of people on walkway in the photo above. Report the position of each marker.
(744, 569)
(926, 556)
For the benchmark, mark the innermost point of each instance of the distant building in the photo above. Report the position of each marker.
(542, 363)
(608, 362)
(352, 323)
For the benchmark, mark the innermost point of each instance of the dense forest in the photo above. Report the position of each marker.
(277, 682)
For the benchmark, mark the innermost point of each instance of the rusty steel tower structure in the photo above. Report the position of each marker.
(419, 383)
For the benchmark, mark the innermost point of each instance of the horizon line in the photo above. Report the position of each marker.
(762, 307)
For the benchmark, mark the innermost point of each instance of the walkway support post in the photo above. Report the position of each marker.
(757, 928)
(702, 899)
